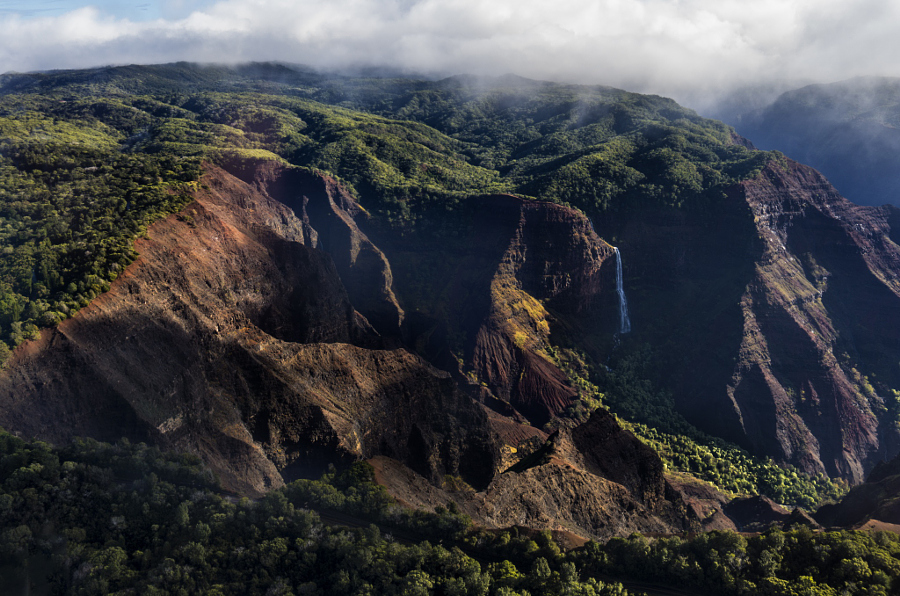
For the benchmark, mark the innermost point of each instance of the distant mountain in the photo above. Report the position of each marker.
(849, 131)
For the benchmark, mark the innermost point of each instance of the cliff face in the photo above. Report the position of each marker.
(363, 268)
(551, 257)
(233, 338)
(484, 283)
(780, 350)
(824, 300)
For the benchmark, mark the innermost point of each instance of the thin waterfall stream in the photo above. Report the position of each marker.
(624, 320)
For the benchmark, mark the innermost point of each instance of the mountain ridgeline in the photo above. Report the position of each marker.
(279, 270)
(846, 130)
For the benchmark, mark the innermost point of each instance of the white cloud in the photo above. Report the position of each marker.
(663, 46)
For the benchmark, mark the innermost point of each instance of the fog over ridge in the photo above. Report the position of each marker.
(682, 49)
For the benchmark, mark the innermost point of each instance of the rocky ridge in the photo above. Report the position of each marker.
(232, 338)
(824, 295)
(596, 480)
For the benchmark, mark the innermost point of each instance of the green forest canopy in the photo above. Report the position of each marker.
(94, 518)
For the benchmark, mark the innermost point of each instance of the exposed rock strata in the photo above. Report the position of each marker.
(775, 312)
(825, 295)
(329, 215)
(488, 279)
(230, 337)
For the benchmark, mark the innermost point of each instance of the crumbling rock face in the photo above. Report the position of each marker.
(756, 514)
(231, 337)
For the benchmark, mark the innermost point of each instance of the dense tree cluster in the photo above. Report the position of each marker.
(650, 414)
(734, 470)
(798, 562)
(94, 518)
(596, 148)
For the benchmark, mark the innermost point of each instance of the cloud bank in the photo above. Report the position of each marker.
(671, 47)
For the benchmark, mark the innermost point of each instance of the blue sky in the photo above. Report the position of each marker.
(135, 11)
(669, 47)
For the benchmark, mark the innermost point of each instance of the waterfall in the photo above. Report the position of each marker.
(624, 321)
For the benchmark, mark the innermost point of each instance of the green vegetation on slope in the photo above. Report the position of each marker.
(734, 470)
(650, 414)
(596, 148)
(81, 178)
(789, 563)
(71, 204)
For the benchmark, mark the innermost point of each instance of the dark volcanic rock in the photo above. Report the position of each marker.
(489, 275)
(329, 215)
(599, 478)
(826, 284)
(609, 451)
(705, 500)
(550, 255)
(755, 514)
(876, 499)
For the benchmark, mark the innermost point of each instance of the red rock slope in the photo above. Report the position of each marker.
(233, 338)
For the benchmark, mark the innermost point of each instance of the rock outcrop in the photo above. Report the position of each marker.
(873, 503)
(596, 480)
